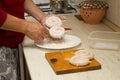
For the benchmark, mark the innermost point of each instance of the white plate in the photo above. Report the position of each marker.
(68, 41)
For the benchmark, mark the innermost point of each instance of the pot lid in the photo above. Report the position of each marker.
(93, 4)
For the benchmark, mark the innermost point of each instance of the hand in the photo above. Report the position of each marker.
(59, 16)
(36, 31)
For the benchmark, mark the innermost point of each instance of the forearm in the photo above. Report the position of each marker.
(14, 24)
(33, 10)
(33, 30)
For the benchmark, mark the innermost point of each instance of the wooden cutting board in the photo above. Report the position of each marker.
(60, 64)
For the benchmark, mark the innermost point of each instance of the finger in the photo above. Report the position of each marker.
(45, 34)
(39, 39)
(61, 17)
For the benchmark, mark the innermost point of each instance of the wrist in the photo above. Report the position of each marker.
(24, 27)
(42, 18)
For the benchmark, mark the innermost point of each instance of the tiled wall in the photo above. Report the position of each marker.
(113, 13)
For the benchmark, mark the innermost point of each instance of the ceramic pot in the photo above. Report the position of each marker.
(92, 16)
(93, 11)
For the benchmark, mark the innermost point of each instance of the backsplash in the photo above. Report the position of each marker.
(113, 13)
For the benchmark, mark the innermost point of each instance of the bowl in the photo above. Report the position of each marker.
(104, 40)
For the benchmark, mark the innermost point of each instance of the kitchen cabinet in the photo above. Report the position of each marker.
(39, 68)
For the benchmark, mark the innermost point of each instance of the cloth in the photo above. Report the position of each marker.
(15, 8)
(9, 64)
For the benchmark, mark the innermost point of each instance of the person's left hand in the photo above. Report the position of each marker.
(59, 16)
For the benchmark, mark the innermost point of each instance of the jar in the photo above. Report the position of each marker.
(59, 5)
(93, 11)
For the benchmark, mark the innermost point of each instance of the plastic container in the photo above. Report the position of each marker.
(104, 40)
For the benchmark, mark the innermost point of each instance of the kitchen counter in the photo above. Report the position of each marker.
(39, 68)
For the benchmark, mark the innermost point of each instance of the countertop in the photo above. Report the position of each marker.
(40, 69)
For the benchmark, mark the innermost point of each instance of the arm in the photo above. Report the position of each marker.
(33, 10)
(13, 23)
(9, 22)
(32, 29)
(36, 12)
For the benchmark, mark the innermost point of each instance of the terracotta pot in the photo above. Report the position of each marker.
(92, 16)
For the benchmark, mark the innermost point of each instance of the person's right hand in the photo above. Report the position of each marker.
(36, 31)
